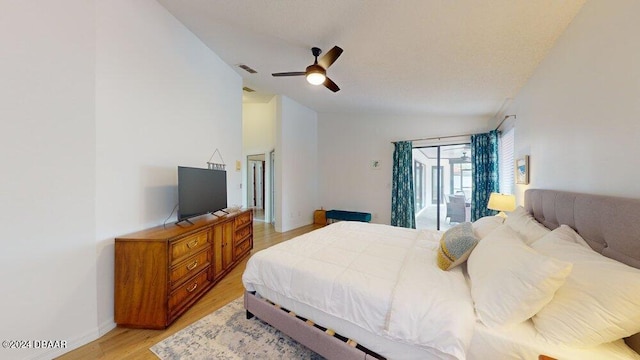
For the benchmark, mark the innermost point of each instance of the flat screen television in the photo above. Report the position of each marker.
(200, 191)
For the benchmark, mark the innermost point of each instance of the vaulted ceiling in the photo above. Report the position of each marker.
(413, 57)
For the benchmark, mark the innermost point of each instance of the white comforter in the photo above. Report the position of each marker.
(381, 278)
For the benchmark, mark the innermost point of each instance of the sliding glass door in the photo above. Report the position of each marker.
(443, 196)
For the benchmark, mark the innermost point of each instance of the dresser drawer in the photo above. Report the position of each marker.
(188, 246)
(184, 270)
(243, 218)
(241, 249)
(186, 292)
(242, 233)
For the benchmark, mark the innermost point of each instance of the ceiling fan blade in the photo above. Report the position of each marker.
(293, 73)
(329, 84)
(330, 57)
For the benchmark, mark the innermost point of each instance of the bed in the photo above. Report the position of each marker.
(369, 291)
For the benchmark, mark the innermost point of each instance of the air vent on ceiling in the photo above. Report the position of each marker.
(247, 69)
(247, 89)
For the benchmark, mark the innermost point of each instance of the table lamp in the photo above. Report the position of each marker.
(501, 203)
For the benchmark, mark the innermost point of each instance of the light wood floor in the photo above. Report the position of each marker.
(123, 343)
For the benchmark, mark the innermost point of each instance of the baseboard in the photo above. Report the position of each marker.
(105, 327)
(72, 344)
(293, 226)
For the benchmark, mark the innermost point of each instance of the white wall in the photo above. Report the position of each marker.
(258, 127)
(349, 142)
(47, 187)
(101, 101)
(578, 116)
(163, 99)
(258, 137)
(296, 164)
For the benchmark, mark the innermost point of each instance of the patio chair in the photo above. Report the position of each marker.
(456, 211)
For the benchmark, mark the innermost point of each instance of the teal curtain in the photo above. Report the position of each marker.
(402, 196)
(484, 158)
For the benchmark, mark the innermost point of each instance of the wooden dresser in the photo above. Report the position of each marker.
(162, 271)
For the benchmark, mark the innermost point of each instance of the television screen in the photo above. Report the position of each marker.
(200, 191)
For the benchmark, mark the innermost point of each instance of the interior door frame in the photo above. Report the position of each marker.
(272, 187)
(251, 190)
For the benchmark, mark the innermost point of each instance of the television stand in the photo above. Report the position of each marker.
(162, 271)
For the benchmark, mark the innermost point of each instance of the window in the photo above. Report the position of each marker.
(506, 162)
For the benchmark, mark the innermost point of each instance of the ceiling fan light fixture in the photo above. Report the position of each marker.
(315, 75)
(315, 78)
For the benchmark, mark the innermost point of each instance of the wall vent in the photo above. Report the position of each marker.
(247, 69)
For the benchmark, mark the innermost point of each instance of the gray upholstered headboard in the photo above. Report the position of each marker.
(611, 225)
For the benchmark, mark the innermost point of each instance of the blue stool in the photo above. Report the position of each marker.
(336, 215)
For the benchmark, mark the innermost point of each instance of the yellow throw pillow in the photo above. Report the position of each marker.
(455, 246)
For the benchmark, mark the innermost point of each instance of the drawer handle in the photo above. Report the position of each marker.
(192, 243)
(192, 265)
(192, 287)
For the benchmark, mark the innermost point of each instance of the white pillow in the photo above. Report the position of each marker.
(599, 302)
(566, 233)
(510, 282)
(525, 225)
(483, 226)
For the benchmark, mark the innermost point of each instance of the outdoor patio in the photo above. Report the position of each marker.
(426, 218)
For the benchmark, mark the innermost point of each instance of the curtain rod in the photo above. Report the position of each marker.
(455, 136)
(503, 120)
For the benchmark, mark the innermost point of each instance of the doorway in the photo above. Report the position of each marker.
(448, 186)
(256, 188)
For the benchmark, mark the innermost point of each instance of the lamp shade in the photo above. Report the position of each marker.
(501, 202)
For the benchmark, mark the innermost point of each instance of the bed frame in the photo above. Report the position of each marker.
(610, 225)
(319, 339)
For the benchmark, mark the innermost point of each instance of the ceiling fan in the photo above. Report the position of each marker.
(316, 73)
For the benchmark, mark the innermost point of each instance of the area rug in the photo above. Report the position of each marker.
(227, 334)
